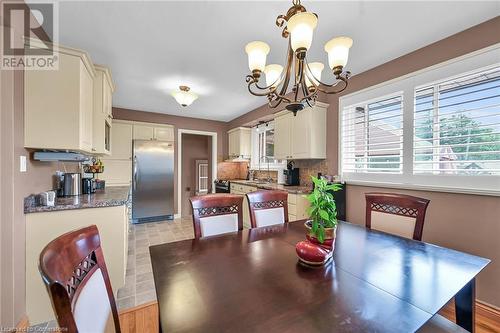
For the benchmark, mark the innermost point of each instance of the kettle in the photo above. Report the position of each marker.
(72, 184)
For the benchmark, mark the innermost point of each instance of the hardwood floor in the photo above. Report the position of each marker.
(487, 318)
(144, 318)
(140, 319)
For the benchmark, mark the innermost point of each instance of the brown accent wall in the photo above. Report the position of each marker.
(469, 223)
(179, 123)
(194, 147)
(14, 187)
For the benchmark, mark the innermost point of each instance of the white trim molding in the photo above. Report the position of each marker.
(179, 162)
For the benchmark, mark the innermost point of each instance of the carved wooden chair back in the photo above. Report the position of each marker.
(267, 207)
(75, 274)
(215, 214)
(398, 214)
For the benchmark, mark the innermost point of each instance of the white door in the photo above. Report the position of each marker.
(121, 142)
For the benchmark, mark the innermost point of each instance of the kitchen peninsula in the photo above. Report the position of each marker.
(107, 209)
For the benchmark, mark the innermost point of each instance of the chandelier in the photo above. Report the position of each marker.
(305, 77)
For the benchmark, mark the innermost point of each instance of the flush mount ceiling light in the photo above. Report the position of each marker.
(306, 76)
(184, 97)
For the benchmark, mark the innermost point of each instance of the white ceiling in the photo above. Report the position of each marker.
(153, 47)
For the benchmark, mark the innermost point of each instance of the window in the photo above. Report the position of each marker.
(373, 136)
(436, 129)
(202, 176)
(263, 147)
(457, 126)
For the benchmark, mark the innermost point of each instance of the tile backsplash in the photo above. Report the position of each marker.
(310, 168)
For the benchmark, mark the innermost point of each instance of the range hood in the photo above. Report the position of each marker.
(51, 156)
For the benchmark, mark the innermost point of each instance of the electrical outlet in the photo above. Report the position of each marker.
(22, 163)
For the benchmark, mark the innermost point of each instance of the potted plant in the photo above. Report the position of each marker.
(323, 222)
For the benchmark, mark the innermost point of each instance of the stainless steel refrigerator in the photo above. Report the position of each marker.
(152, 181)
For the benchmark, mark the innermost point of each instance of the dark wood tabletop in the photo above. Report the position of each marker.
(251, 281)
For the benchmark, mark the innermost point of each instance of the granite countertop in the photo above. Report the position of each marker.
(111, 196)
(274, 186)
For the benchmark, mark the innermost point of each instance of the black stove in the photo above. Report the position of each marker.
(222, 186)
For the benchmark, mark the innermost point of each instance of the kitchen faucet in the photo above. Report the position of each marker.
(269, 178)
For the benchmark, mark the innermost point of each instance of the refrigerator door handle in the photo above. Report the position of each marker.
(135, 172)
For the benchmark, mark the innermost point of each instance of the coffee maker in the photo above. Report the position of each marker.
(291, 175)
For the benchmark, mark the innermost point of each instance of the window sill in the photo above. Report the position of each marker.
(445, 189)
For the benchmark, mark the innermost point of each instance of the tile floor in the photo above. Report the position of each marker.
(139, 285)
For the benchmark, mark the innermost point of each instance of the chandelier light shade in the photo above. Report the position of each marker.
(257, 52)
(302, 77)
(338, 51)
(184, 96)
(301, 27)
(316, 68)
(273, 73)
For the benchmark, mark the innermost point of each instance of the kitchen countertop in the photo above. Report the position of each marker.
(110, 197)
(274, 186)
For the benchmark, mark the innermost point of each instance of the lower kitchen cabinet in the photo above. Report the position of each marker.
(297, 204)
(43, 227)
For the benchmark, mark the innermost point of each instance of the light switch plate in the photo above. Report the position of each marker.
(22, 163)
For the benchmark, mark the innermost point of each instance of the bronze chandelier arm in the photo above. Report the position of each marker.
(254, 83)
(318, 83)
(340, 79)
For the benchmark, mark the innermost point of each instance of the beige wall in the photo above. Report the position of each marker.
(179, 123)
(469, 223)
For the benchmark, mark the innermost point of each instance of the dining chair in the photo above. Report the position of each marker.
(267, 207)
(74, 271)
(215, 214)
(398, 214)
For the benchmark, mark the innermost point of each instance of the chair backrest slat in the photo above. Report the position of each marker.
(75, 274)
(267, 207)
(396, 213)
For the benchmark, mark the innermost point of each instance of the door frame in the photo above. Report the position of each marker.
(179, 162)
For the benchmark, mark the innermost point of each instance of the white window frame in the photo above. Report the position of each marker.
(200, 165)
(255, 163)
(476, 184)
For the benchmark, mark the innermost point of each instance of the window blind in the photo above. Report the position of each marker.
(457, 126)
(372, 136)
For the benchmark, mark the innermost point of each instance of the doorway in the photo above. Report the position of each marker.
(196, 168)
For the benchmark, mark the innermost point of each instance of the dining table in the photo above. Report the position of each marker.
(252, 281)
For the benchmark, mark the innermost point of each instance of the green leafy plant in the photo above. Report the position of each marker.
(323, 210)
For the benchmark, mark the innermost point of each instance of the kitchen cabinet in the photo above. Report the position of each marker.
(143, 131)
(102, 116)
(282, 135)
(242, 190)
(43, 227)
(117, 172)
(240, 142)
(297, 207)
(121, 141)
(297, 204)
(58, 104)
(302, 136)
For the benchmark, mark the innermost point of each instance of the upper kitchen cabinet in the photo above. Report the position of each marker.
(302, 136)
(121, 140)
(144, 131)
(103, 91)
(240, 142)
(58, 104)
